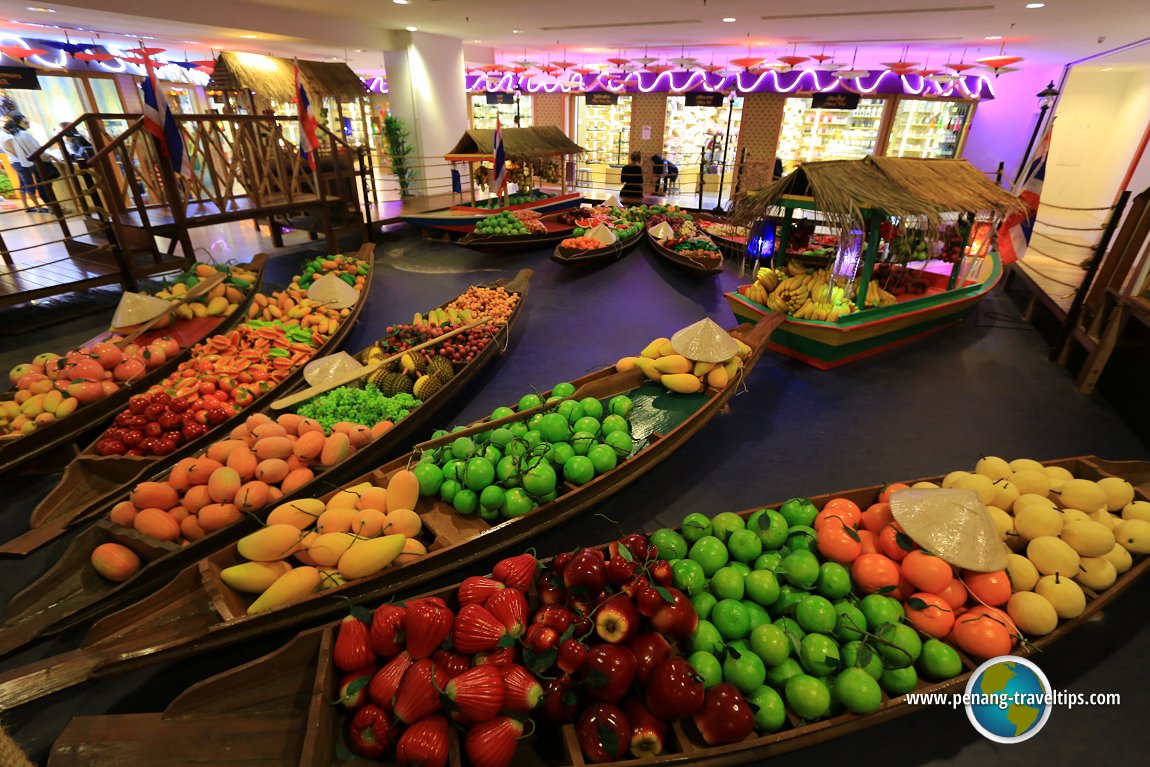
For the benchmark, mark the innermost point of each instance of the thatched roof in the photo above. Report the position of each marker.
(922, 190)
(275, 77)
(519, 143)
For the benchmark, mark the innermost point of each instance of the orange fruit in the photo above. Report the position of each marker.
(927, 572)
(873, 573)
(930, 614)
(989, 588)
(838, 543)
(884, 496)
(845, 505)
(876, 517)
(839, 517)
(981, 635)
(894, 543)
(954, 594)
(869, 542)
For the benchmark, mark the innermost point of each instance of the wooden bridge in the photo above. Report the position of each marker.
(128, 214)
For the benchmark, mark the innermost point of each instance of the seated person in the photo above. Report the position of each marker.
(632, 177)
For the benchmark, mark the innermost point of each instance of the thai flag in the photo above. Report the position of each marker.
(159, 120)
(500, 160)
(1014, 234)
(308, 140)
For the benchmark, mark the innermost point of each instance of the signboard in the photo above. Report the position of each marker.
(835, 101)
(646, 132)
(19, 78)
(704, 99)
(500, 98)
(600, 99)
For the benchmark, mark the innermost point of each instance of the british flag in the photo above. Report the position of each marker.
(1014, 234)
(500, 160)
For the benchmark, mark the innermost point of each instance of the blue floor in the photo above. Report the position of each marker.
(984, 387)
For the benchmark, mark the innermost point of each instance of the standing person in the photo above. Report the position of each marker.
(670, 175)
(20, 147)
(632, 177)
(80, 149)
(657, 167)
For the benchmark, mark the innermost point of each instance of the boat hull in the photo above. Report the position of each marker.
(828, 345)
(463, 218)
(698, 265)
(599, 256)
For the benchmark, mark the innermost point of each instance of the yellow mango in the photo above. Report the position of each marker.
(733, 365)
(673, 364)
(744, 350)
(373, 498)
(682, 383)
(300, 513)
(292, 586)
(702, 368)
(718, 378)
(254, 577)
(667, 349)
(216, 306)
(403, 521)
(413, 551)
(648, 367)
(67, 407)
(651, 351)
(335, 520)
(348, 498)
(52, 400)
(33, 406)
(330, 578)
(327, 548)
(368, 557)
(625, 364)
(270, 543)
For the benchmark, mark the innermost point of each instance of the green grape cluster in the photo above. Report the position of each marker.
(367, 406)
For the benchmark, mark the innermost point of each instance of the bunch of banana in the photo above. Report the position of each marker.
(768, 278)
(876, 296)
(790, 295)
(822, 310)
(827, 293)
(795, 269)
(757, 293)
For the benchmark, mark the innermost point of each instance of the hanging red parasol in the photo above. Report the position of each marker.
(587, 71)
(565, 64)
(550, 69)
(144, 51)
(86, 56)
(821, 57)
(619, 62)
(19, 51)
(900, 67)
(999, 64)
(747, 62)
(661, 68)
(711, 68)
(790, 61)
(962, 66)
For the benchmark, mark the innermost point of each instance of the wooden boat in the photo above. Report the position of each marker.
(93, 482)
(856, 336)
(56, 440)
(498, 246)
(293, 688)
(732, 244)
(598, 256)
(70, 592)
(463, 218)
(196, 611)
(702, 264)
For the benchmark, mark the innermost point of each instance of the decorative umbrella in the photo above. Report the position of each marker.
(900, 67)
(685, 61)
(942, 78)
(587, 71)
(1000, 64)
(526, 64)
(962, 66)
(141, 51)
(747, 62)
(86, 56)
(619, 61)
(550, 69)
(660, 68)
(790, 61)
(564, 64)
(19, 51)
(821, 57)
(849, 74)
(645, 60)
(711, 68)
(831, 66)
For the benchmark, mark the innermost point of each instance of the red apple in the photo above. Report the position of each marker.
(648, 600)
(554, 616)
(560, 700)
(540, 638)
(609, 671)
(660, 572)
(647, 732)
(617, 620)
(674, 690)
(725, 716)
(651, 648)
(604, 733)
(551, 591)
(676, 618)
(572, 655)
(585, 575)
(619, 570)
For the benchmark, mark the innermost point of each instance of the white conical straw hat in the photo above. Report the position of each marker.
(662, 231)
(333, 292)
(326, 369)
(602, 234)
(612, 202)
(704, 341)
(135, 308)
(953, 525)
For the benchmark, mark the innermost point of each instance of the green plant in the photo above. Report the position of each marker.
(398, 149)
(5, 185)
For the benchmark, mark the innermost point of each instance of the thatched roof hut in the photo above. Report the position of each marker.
(518, 143)
(274, 78)
(845, 191)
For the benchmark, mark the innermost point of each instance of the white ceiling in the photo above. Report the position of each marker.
(590, 31)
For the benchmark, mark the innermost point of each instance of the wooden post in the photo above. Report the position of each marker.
(471, 180)
(875, 221)
(784, 236)
(950, 285)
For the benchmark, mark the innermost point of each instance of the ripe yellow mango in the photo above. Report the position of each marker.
(673, 364)
(1052, 555)
(702, 368)
(1120, 558)
(1137, 510)
(1083, 494)
(368, 557)
(330, 578)
(292, 586)
(718, 378)
(216, 306)
(1064, 594)
(625, 364)
(682, 383)
(648, 367)
(270, 543)
(373, 498)
(413, 551)
(326, 549)
(404, 522)
(1032, 613)
(667, 350)
(1134, 535)
(1023, 574)
(1089, 539)
(348, 497)
(1118, 492)
(1096, 573)
(335, 520)
(301, 513)
(651, 350)
(254, 577)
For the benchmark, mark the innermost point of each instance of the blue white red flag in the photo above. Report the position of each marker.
(1014, 234)
(159, 120)
(308, 140)
(500, 160)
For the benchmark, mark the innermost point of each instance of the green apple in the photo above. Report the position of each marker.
(695, 526)
(709, 552)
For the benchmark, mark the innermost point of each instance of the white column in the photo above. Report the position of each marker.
(426, 88)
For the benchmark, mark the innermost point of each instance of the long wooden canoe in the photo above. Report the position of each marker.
(293, 688)
(712, 264)
(70, 592)
(733, 244)
(463, 218)
(827, 345)
(196, 611)
(59, 436)
(94, 482)
(596, 256)
(517, 243)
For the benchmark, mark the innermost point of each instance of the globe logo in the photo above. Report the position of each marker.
(1008, 699)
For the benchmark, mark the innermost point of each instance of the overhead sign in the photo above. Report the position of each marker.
(19, 78)
(835, 101)
(705, 99)
(500, 98)
(600, 99)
